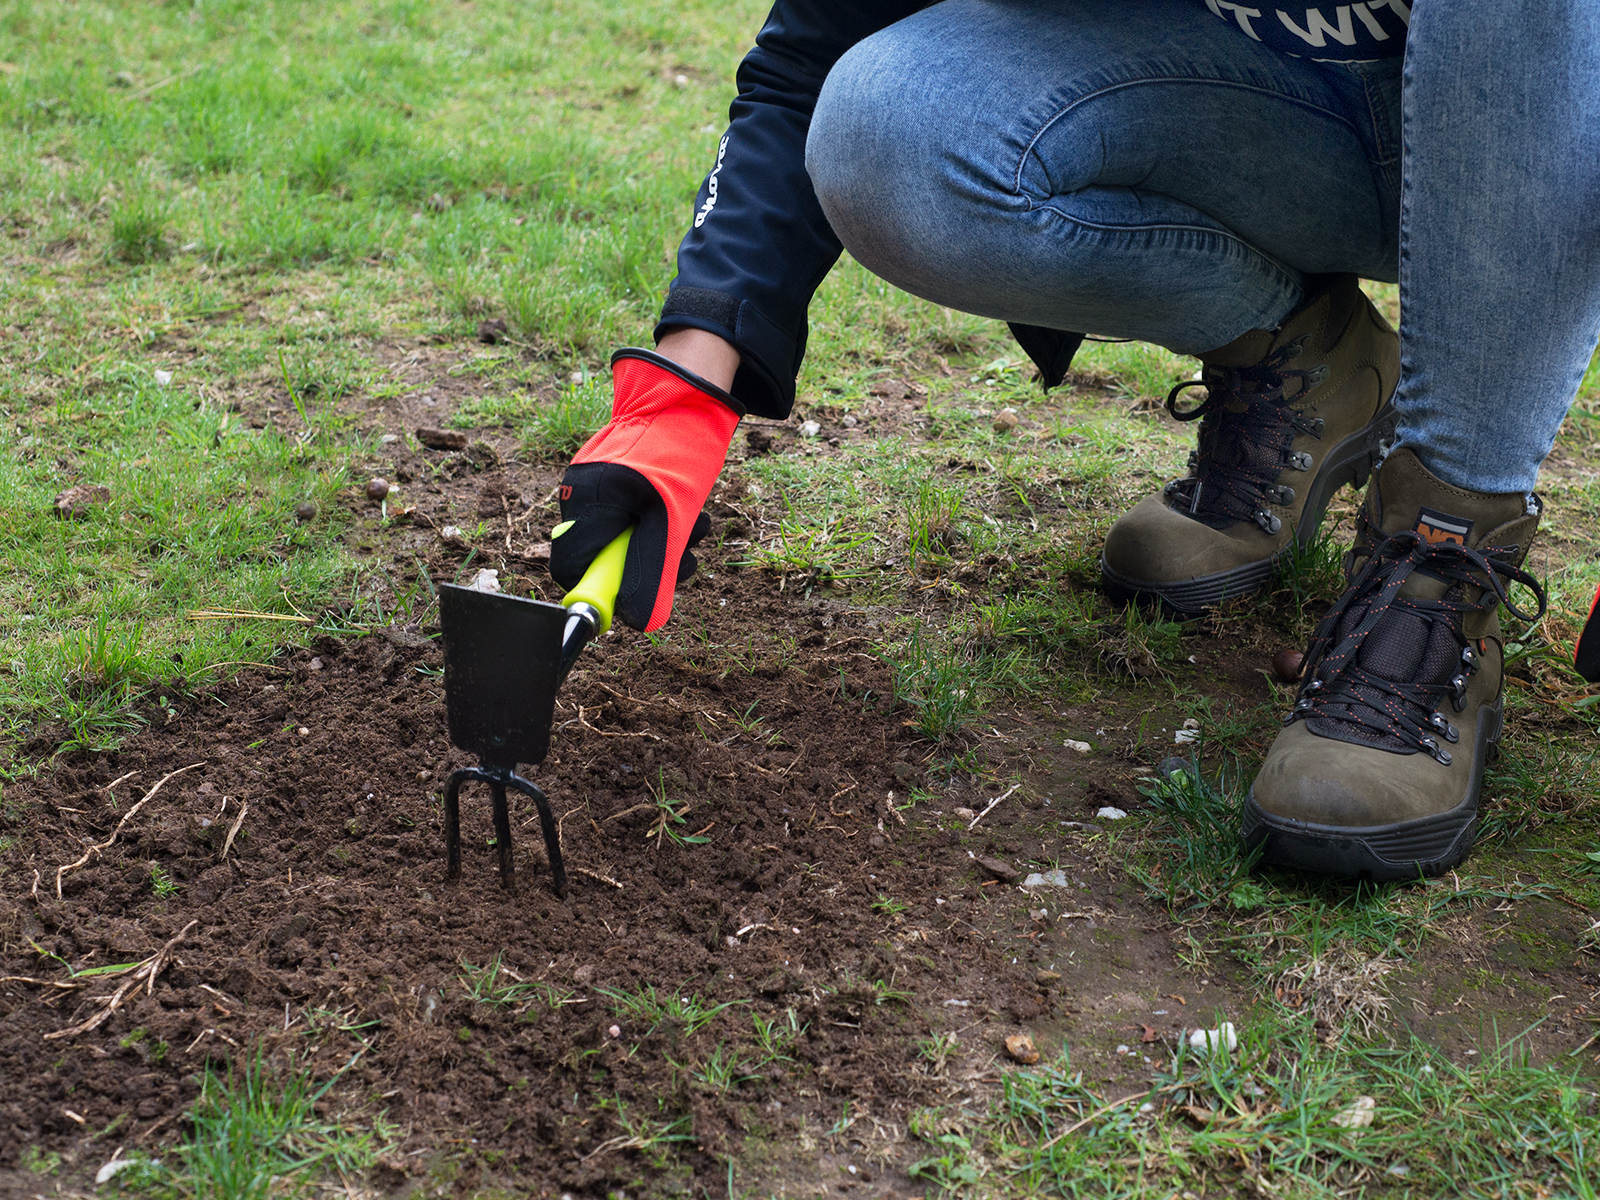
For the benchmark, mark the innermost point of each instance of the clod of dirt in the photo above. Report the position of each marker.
(492, 331)
(758, 441)
(1286, 665)
(377, 488)
(1047, 978)
(483, 456)
(306, 510)
(1005, 420)
(441, 439)
(77, 501)
(1021, 1049)
(1000, 869)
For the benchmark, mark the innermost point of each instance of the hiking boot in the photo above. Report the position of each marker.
(1290, 415)
(1378, 769)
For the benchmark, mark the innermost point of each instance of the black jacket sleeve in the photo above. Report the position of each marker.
(760, 246)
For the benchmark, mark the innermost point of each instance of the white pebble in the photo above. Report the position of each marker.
(809, 429)
(615, 1031)
(680, 81)
(451, 533)
(1184, 737)
(1122, 1050)
(389, 439)
(1209, 1041)
(303, 731)
(1357, 1115)
(1080, 747)
(848, 421)
(1110, 813)
(163, 378)
(486, 580)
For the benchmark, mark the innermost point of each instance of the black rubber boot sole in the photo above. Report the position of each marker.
(1350, 462)
(1382, 853)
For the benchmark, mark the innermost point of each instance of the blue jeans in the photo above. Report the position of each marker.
(1144, 170)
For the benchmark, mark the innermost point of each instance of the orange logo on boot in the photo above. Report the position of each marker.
(1437, 527)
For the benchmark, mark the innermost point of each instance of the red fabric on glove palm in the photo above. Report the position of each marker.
(652, 467)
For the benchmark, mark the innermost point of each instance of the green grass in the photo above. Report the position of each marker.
(258, 1134)
(1274, 1117)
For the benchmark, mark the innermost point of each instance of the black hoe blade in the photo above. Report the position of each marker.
(502, 663)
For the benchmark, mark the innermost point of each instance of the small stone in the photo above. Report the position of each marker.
(389, 439)
(163, 378)
(809, 429)
(583, 976)
(1357, 1115)
(999, 869)
(1110, 813)
(77, 501)
(849, 422)
(1209, 1041)
(441, 439)
(1005, 420)
(314, 665)
(575, 377)
(424, 775)
(1286, 665)
(306, 510)
(492, 331)
(486, 580)
(1174, 765)
(1079, 747)
(1052, 878)
(452, 534)
(1021, 1049)
(1046, 978)
(302, 731)
(615, 1031)
(439, 202)
(966, 814)
(377, 488)
(680, 81)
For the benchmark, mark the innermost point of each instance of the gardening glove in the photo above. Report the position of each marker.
(1586, 656)
(652, 467)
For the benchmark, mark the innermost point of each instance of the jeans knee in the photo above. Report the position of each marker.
(855, 118)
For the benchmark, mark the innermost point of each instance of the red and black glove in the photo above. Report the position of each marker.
(652, 467)
(1586, 656)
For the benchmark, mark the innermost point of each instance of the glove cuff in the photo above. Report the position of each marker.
(683, 373)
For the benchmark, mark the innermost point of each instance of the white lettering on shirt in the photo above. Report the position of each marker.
(1379, 34)
(1240, 13)
(711, 185)
(1317, 25)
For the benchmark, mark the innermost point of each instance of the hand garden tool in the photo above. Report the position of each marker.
(504, 660)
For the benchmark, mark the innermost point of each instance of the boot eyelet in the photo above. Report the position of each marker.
(1458, 692)
(1317, 375)
(1469, 659)
(1300, 461)
(1268, 522)
(1451, 734)
(1315, 686)
(1282, 494)
(1303, 705)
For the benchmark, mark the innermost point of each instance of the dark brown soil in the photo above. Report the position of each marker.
(329, 933)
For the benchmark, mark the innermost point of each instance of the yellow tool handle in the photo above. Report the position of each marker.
(600, 583)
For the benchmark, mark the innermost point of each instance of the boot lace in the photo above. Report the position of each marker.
(1380, 664)
(1247, 426)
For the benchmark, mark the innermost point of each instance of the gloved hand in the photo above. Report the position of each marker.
(653, 466)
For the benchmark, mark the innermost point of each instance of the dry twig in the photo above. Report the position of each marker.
(227, 844)
(991, 805)
(144, 973)
(94, 851)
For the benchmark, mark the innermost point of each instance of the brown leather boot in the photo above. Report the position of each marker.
(1290, 416)
(1378, 769)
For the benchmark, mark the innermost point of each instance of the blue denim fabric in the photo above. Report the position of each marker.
(1500, 233)
(1145, 171)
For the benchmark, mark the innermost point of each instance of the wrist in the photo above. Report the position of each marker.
(662, 362)
(703, 353)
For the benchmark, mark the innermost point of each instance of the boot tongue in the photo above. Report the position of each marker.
(1407, 497)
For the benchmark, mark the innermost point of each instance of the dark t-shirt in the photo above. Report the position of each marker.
(1325, 32)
